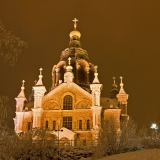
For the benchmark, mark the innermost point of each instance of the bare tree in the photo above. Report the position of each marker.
(114, 141)
(6, 111)
(10, 45)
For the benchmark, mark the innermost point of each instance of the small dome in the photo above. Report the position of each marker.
(114, 85)
(75, 33)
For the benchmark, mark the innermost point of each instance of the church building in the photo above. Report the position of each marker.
(73, 109)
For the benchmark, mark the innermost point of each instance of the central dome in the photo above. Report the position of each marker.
(75, 33)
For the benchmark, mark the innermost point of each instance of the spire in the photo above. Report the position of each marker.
(121, 91)
(21, 94)
(96, 80)
(69, 67)
(114, 90)
(114, 85)
(40, 83)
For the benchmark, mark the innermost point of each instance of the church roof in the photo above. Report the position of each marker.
(108, 103)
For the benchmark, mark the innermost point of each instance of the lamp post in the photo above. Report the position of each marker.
(59, 130)
(155, 128)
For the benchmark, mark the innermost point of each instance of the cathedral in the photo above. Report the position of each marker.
(73, 109)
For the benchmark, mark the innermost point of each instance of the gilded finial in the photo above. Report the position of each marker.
(75, 20)
(96, 80)
(23, 85)
(121, 84)
(35, 82)
(95, 67)
(40, 78)
(121, 91)
(41, 71)
(69, 67)
(114, 80)
(69, 61)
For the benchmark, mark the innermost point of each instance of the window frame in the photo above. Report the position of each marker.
(67, 102)
(80, 125)
(47, 124)
(67, 122)
(88, 124)
(29, 126)
(54, 125)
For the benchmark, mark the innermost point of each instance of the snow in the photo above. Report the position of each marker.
(151, 154)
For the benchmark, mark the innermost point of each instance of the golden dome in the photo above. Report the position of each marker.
(75, 33)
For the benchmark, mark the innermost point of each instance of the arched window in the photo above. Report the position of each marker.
(80, 124)
(67, 102)
(88, 124)
(29, 126)
(54, 125)
(46, 124)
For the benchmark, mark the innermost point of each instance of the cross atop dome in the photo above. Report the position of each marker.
(75, 20)
(75, 32)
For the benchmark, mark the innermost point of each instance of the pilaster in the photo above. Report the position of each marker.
(38, 95)
(37, 115)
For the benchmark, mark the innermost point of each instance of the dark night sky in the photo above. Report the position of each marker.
(121, 37)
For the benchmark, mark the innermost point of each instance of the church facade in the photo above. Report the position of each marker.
(73, 109)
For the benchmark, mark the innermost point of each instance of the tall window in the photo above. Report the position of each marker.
(29, 125)
(88, 124)
(80, 124)
(54, 125)
(67, 122)
(46, 124)
(67, 102)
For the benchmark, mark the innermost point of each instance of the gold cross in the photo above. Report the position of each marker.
(75, 20)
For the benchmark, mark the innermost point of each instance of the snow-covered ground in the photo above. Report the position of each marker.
(151, 154)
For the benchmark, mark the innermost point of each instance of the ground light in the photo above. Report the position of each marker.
(154, 127)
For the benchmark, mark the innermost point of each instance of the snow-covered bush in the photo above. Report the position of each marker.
(37, 144)
(75, 153)
(26, 146)
(149, 141)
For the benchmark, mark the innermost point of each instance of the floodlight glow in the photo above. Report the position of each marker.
(154, 126)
